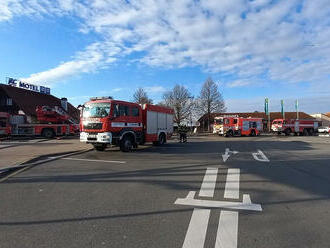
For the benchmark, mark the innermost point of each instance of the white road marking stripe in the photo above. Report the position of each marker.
(208, 185)
(94, 160)
(196, 232)
(3, 146)
(227, 230)
(246, 204)
(232, 184)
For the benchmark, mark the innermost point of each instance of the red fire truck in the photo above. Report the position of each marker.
(51, 122)
(301, 127)
(105, 121)
(238, 126)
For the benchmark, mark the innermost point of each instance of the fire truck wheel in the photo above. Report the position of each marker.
(126, 144)
(48, 133)
(162, 139)
(100, 147)
(253, 132)
(287, 132)
(305, 132)
(230, 133)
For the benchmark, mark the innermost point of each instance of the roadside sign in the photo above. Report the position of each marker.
(297, 106)
(266, 106)
(282, 108)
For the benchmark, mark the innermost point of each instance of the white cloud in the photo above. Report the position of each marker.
(242, 38)
(238, 83)
(93, 58)
(155, 89)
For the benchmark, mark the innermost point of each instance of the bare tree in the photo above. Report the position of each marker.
(180, 99)
(140, 96)
(210, 100)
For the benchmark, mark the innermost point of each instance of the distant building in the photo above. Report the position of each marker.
(273, 115)
(14, 100)
(324, 119)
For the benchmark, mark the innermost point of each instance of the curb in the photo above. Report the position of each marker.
(29, 164)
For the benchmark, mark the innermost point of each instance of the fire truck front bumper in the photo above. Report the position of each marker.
(105, 137)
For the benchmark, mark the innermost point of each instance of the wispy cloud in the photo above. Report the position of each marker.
(238, 83)
(95, 57)
(281, 40)
(155, 89)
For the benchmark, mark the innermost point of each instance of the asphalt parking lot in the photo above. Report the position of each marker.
(210, 192)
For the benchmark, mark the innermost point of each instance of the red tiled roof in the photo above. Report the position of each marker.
(327, 114)
(28, 100)
(273, 115)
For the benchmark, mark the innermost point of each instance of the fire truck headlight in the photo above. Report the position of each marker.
(83, 137)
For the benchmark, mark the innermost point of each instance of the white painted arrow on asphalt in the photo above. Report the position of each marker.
(260, 156)
(227, 154)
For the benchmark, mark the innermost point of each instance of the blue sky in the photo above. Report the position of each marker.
(252, 49)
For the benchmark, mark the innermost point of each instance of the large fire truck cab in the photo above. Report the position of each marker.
(301, 127)
(238, 126)
(218, 125)
(105, 121)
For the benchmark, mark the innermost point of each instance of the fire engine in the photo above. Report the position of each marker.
(51, 122)
(238, 126)
(218, 125)
(106, 121)
(301, 127)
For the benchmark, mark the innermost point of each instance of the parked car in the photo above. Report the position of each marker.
(324, 129)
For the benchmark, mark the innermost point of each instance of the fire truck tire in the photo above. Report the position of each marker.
(162, 139)
(100, 147)
(126, 144)
(253, 133)
(305, 132)
(48, 133)
(311, 132)
(287, 132)
(230, 133)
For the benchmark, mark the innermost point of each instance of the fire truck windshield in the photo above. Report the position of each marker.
(100, 109)
(218, 121)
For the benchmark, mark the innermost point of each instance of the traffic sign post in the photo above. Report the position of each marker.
(296, 106)
(267, 112)
(282, 109)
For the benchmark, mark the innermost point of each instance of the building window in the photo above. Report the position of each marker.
(9, 102)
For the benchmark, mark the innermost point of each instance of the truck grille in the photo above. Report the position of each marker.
(92, 126)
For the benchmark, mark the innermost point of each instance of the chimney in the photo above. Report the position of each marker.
(64, 104)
